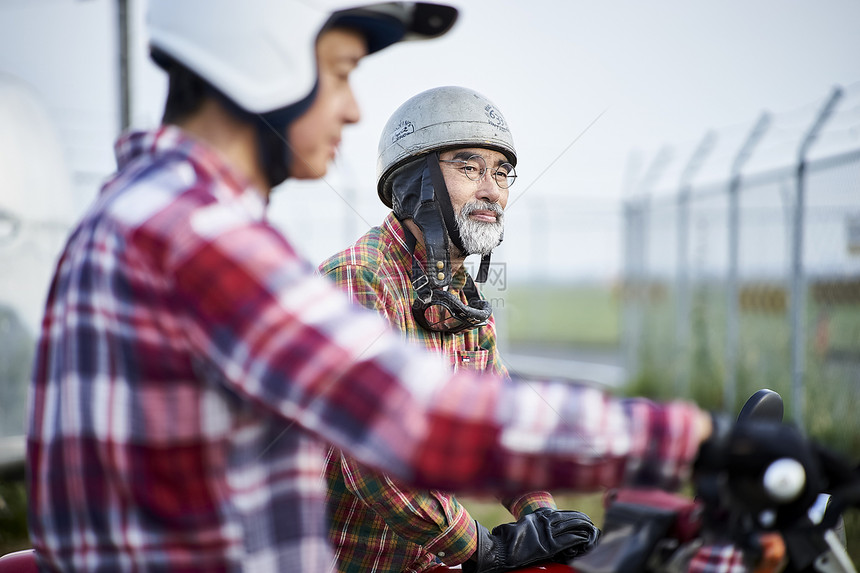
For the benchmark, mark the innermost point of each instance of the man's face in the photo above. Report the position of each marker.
(315, 136)
(478, 205)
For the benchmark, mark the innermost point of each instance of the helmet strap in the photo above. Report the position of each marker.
(447, 210)
(471, 315)
(276, 156)
(419, 193)
(428, 218)
(483, 269)
(445, 202)
(414, 198)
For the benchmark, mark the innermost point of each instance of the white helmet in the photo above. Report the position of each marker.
(261, 53)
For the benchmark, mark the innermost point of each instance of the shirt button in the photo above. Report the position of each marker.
(441, 554)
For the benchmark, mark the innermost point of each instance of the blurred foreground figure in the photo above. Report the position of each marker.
(446, 163)
(192, 369)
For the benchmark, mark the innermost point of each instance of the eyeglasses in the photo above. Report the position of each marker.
(475, 167)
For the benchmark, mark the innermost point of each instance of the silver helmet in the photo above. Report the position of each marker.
(438, 119)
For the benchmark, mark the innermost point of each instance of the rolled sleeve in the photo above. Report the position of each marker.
(432, 519)
(456, 544)
(524, 504)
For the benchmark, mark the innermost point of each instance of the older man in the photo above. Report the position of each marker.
(446, 164)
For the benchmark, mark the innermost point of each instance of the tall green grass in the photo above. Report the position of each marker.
(694, 366)
(582, 315)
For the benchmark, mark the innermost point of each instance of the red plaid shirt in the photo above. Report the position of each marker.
(719, 559)
(191, 364)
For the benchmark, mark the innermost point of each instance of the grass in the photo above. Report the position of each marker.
(490, 513)
(13, 517)
(584, 315)
(695, 366)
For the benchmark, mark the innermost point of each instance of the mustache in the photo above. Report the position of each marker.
(473, 206)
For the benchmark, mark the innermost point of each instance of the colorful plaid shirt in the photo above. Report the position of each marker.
(191, 365)
(377, 524)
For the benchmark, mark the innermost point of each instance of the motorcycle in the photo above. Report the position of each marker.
(653, 531)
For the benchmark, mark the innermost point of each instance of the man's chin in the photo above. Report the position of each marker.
(482, 247)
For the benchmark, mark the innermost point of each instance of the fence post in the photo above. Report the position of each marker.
(124, 65)
(636, 232)
(732, 288)
(682, 302)
(630, 291)
(798, 291)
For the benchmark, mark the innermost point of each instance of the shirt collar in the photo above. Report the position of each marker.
(171, 141)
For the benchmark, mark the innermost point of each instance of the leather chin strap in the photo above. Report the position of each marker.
(418, 192)
(474, 314)
(413, 197)
(275, 153)
(483, 269)
(444, 199)
(448, 216)
(276, 158)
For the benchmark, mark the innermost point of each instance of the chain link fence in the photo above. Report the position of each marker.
(742, 267)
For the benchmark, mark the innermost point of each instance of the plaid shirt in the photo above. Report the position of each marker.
(191, 364)
(725, 558)
(377, 524)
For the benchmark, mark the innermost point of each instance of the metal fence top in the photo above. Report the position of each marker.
(826, 133)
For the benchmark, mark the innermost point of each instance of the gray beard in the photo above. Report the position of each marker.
(478, 237)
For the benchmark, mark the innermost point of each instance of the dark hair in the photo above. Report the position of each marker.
(186, 91)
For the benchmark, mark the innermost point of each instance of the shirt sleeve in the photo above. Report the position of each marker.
(724, 558)
(429, 518)
(361, 284)
(290, 344)
(522, 505)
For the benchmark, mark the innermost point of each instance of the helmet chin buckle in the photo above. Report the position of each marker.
(438, 310)
(417, 190)
(419, 193)
(416, 197)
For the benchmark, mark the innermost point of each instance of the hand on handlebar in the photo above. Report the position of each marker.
(767, 465)
(545, 535)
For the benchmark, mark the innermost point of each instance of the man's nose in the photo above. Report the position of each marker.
(488, 189)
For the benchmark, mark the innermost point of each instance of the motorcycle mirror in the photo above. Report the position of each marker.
(765, 405)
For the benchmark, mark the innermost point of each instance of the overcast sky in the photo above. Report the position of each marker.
(640, 74)
(585, 86)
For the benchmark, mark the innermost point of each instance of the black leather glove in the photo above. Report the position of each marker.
(545, 535)
(744, 451)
